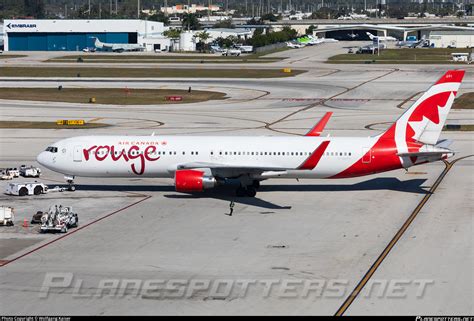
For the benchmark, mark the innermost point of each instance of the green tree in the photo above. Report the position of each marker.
(224, 24)
(254, 22)
(160, 17)
(172, 33)
(226, 42)
(203, 37)
(269, 17)
(190, 21)
(324, 13)
(34, 8)
(310, 30)
(286, 34)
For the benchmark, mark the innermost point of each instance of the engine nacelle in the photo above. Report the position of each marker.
(192, 181)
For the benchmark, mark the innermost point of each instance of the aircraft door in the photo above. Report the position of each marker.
(77, 154)
(367, 155)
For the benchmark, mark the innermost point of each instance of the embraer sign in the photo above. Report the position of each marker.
(21, 25)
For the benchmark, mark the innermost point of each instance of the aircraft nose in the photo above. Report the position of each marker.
(43, 159)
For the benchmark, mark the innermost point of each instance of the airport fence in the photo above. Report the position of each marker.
(271, 47)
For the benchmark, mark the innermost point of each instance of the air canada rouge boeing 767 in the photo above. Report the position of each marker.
(201, 162)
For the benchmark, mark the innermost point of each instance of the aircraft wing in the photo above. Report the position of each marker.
(245, 168)
(231, 170)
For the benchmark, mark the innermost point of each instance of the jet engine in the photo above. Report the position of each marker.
(193, 181)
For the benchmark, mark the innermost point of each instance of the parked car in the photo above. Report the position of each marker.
(216, 49)
(231, 52)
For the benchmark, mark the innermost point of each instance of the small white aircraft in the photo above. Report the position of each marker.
(353, 35)
(201, 162)
(381, 38)
(294, 45)
(118, 47)
(411, 43)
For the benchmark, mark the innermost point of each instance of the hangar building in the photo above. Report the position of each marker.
(75, 35)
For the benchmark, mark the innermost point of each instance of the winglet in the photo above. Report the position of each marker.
(319, 127)
(314, 158)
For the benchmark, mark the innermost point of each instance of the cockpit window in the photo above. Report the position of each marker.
(52, 149)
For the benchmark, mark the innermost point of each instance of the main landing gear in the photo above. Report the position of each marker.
(248, 190)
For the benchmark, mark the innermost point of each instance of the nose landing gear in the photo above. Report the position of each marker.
(70, 181)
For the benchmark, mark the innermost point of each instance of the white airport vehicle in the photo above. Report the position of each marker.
(232, 52)
(6, 175)
(24, 189)
(59, 219)
(370, 49)
(7, 215)
(14, 171)
(89, 49)
(201, 162)
(118, 47)
(460, 56)
(30, 171)
(244, 49)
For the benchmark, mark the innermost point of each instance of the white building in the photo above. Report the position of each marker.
(75, 35)
(454, 38)
(1, 36)
(239, 33)
(193, 8)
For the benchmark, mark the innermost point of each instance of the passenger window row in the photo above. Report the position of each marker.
(264, 153)
(228, 153)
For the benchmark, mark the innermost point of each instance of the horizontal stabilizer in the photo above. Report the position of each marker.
(425, 154)
(444, 143)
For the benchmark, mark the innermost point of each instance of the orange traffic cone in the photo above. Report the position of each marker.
(25, 223)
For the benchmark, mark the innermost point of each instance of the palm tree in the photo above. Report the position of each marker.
(172, 33)
(203, 37)
(190, 21)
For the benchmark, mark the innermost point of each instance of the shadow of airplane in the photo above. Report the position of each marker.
(382, 183)
(227, 193)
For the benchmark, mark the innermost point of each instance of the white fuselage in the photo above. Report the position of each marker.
(160, 156)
